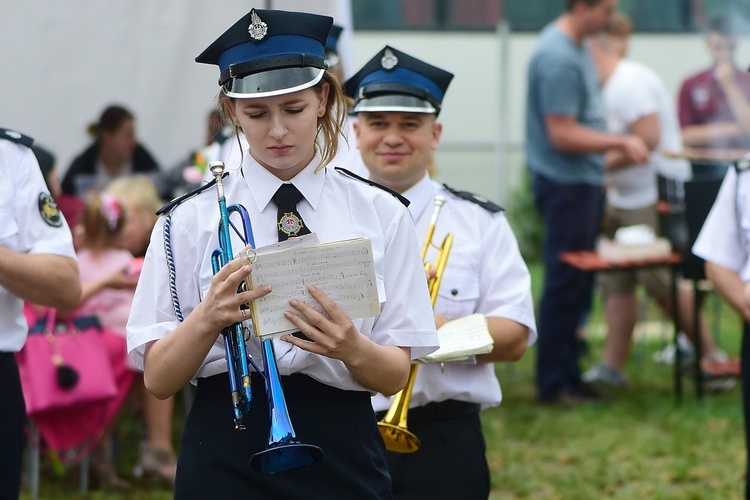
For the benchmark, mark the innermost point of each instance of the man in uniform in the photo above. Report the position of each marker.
(724, 243)
(397, 101)
(38, 265)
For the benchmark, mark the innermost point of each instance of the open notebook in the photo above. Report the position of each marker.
(461, 339)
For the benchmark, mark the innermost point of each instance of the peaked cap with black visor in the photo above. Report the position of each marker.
(396, 81)
(332, 45)
(270, 52)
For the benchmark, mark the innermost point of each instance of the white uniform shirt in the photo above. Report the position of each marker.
(24, 229)
(633, 91)
(335, 207)
(725, 236)
(485, 274)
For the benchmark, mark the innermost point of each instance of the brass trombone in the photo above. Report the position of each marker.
(393, 426)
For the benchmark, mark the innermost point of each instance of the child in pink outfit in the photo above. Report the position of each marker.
(108, 289)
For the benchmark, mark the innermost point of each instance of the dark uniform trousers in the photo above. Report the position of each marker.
(214, 456)
(12, 421)
(451, 462)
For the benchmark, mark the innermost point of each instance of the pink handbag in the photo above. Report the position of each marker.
(65, 363)
(75, 379)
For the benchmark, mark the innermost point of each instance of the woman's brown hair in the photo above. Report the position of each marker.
(330, 125)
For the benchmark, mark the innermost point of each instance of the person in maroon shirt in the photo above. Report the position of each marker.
(714, 105)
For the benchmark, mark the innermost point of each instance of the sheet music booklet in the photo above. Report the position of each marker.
(343, 270)
(461, 339)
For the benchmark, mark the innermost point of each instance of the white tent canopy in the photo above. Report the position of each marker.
(64, 62)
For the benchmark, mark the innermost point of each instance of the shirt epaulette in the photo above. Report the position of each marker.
(172, 204)
(742, 165)
(16, 137)
(398, 196)
(474, 198)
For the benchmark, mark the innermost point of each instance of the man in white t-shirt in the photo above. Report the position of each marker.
(636, 102)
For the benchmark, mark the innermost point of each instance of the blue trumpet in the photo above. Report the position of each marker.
(284, 451)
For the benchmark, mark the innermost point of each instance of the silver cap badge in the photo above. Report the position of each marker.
(389, 59)
(257, 29)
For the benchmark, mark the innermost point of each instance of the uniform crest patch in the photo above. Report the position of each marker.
(49, 211)
(290, 224)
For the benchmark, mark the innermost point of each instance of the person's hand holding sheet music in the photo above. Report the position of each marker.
(335, 336)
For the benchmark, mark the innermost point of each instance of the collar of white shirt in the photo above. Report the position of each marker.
(420, 196)
(263, 184)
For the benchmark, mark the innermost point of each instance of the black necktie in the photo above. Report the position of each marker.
(289, 221)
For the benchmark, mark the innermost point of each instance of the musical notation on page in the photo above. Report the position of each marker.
(343, 270)
(461, 339)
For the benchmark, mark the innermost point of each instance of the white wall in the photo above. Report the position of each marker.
(63, 62)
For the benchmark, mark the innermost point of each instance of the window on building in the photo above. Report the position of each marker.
(654, 16)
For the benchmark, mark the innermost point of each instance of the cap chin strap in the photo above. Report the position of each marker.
(380, 89)
(241, 70)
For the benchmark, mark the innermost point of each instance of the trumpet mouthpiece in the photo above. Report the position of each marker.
(216, 168)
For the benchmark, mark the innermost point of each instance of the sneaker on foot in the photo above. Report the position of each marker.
(719, 384)
(667, 355)
(605, 375)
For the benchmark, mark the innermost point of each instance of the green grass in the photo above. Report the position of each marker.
(640, 443)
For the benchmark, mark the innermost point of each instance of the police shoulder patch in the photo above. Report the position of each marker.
(16, 137)
(49, 211)
(475, 198)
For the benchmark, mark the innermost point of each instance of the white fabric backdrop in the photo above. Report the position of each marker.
(63, 62)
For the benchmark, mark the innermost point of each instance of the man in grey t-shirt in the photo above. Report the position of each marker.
(565, 142)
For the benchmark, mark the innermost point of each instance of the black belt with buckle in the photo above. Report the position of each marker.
(443, 410)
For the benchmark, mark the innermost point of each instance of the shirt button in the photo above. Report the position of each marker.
(454, 292)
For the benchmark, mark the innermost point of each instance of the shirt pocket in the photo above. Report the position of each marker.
(8, 229)
(458, 294)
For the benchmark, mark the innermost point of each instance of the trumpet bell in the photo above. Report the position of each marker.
(284, 451)
(285, 457)
(398, 439)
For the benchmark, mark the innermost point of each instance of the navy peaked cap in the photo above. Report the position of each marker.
(270, 52)
(396, 81)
